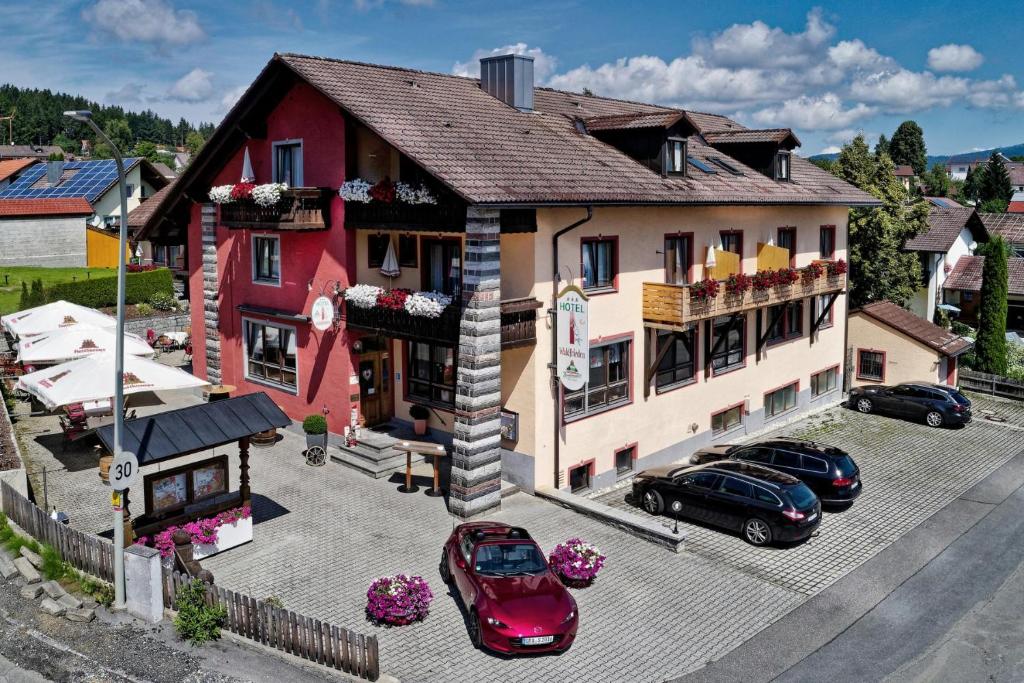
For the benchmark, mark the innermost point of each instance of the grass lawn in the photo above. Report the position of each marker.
(12, 277)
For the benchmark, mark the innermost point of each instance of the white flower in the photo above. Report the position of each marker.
(413, 195)
(221, 194)
(355, 190)
(427, 304)
(424, 196)
(269, 194)
(362, 296)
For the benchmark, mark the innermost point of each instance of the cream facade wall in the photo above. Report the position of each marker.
(906, 359)
(926, 298)
(110, 203)
(665, 427)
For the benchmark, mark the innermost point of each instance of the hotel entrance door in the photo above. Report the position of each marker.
(375, 387)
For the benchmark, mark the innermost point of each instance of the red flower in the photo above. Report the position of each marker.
(737, 283)
(704, 290)
(836, 268)
(242, 191)
(812, 272)
(383, 191)
(786, 276)
(393, 299)
(763, 279)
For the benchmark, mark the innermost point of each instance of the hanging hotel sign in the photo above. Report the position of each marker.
(322, 313)
(572, 341)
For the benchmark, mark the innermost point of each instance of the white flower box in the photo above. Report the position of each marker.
(228, 536)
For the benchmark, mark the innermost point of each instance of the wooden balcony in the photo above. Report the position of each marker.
(672, 307)
(300, 208)
(398, 324)
(445, 216)
(519, 322)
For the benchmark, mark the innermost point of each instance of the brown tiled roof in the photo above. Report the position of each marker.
(944, 225)
(15, 208)
(1009, 225)
(707, 123)
(1016, 175)
(966, 275)
(916, 327)
(633, 120)
(9, 167)
(140, 215)
(904, 170)
(733, 137)
(490, 153)
(35, 151)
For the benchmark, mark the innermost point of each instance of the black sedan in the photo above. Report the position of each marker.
(936, 404)
(830, 472)
(764, 505)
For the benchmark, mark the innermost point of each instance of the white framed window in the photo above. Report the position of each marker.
(782, 166)
(824, 381)
(286, 164)
(266, 259)
(271, 356)
(675, 161)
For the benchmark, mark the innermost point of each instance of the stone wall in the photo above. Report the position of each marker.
(174, 322)
(52, 242)
(211, 287)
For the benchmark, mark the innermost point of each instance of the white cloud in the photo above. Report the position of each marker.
(364, 5)
(145, 21)
(954, 57)
(129, 92)
(994, 94)
(831, 149)
(231, 96)
(194, 86)
(543, 64)
(813, 113)
(854, 54)
(759, 45)
(903, 90)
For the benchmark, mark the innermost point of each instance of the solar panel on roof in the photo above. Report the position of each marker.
(697, 163)
(719, 161)
(89, 182)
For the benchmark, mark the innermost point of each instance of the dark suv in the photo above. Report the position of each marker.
(764, 505)
(830, 472)
(935, 404)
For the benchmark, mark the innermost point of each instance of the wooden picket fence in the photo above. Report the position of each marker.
(285, 630)
(986, 383)
(86, 552)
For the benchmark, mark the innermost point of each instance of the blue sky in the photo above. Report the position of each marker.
(828, 71)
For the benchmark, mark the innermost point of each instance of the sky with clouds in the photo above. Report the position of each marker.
(827, 70)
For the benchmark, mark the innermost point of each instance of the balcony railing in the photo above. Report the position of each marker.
(519, 322)
(300, 208)
(672, 305)
(398, 324)
(445, 216)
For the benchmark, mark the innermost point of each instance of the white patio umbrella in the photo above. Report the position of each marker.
(390, 266)
(92, 378)
(247, 175)
(77, 342)
(57, 315)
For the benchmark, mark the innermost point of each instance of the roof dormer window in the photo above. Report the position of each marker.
(782, 166)
(675, 156)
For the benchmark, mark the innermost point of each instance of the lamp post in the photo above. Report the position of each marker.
(85, 117)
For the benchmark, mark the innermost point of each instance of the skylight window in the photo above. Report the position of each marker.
(697, 163)
(719, 161)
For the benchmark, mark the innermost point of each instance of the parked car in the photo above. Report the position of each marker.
(515, 602)
(763, 504)
(935, 404)
(829, 471)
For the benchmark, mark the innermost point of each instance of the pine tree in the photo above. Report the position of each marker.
(936, 180)
(38, 295)
(882, 146)
(879, 267)
(997, 183)
(907, 147)
(970, 187)
(990, 347)
(24, 302)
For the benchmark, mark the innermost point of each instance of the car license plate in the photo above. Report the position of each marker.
(812, 517)
(538, 640)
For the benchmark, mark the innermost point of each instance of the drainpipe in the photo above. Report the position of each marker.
(556, 277)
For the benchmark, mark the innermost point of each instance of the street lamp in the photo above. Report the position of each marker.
(85, 116)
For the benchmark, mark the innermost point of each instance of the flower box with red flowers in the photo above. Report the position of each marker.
(812, 272)
(786, 276)
(737, 284)
(763, 280)
(704, 290)
(836, 268)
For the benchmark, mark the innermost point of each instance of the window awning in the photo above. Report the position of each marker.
(164, 436)
(273, 313)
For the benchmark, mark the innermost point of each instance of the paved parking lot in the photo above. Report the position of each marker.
(909, 472)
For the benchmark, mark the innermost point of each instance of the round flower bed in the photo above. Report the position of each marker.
(398, 600)
(576, 562)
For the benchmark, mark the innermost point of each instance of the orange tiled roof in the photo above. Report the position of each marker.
(74, 206)
(9, 167)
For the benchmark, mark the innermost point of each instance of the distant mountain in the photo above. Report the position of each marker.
(1012, 150)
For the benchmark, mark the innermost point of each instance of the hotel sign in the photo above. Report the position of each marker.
(322, 313)
(572, 339)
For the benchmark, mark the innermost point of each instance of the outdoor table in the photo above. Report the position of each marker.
(421, 448)
(219, 392)
(177, 337)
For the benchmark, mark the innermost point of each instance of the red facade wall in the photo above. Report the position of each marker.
(324, 362)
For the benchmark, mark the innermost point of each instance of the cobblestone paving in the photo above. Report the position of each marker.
(909, 472)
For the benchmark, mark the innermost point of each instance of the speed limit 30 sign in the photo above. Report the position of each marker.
(123, 471)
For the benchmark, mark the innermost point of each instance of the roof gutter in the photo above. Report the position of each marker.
(552, 313)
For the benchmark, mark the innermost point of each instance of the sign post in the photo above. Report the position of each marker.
(572, 339)
(322, 313)
(124, 471)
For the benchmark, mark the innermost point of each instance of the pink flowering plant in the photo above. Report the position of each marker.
(398, 600)
(576, 560)
(201, 531)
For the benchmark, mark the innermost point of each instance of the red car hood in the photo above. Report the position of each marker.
(527, 601)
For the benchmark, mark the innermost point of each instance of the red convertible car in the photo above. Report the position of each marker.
(515, 602)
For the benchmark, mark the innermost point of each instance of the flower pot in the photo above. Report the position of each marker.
(420, 427)
(316, 440)
(228, 536)
(266, 438)
(575, 583)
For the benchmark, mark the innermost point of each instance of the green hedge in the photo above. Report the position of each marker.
(100, 292)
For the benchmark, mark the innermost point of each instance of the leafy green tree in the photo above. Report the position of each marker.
(67, 144)
(997, 183)
(990, 346)
(194, 142)
(993, 206)
(907, 147)
(120, 133)
(37, 297)
(936, 180)
(146, 149)
(882, 146)
(824, 163)
(879, 267)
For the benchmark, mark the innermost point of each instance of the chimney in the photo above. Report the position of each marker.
(54, 170)
(510, 79)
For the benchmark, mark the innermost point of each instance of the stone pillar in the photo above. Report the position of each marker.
(211, 287)
(143, 580)
(476, 446)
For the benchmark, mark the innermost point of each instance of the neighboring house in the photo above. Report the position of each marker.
(1017, 176)
(963, 289)
(958, 165)
(890, 345)
(163, 170)
(37, 152)
(10, 169)
(906, 175)
(181, 160)
(533, 189)
(952, 233)
(1009, 226)
(143, 219)
(1016, 204)
(943, 202)
(43, 232)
